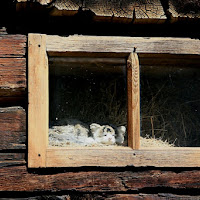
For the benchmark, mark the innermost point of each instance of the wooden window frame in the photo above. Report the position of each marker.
(41, 46)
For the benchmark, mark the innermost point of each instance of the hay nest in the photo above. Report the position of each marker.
(153, 142)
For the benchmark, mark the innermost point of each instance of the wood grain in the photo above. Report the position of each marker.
(123, 156)
(127, 8)
(12, 76)
(121, 45)
(19, 179)
(133, 91)
(107, 196)
(13, 72)
(142, 196)
(38, 115)
(10, 159)
(12, 128)
(12, 46)
(12, 66)
(148, 9)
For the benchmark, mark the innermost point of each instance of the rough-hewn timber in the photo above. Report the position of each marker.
(12, 66)
(132, 10)
(127, 9)
(141, 196)
(19, 179)
(13, 73)
(101, 196)
(12, 46)
(12, 128)
(12, 159)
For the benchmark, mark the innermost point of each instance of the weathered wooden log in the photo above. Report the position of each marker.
(133, 10)
(17, 178)
(9, 159)
(13, 76)
(12, 66)
(161, 196)
(100, 196)
(12, 46)
(12, 128)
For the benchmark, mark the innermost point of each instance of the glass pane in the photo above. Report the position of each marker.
(170, 105)
(87, 102)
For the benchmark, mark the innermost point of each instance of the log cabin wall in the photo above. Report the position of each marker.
(16, 180)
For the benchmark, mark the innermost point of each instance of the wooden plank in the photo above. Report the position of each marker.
(12, 76)
(121, 157)
(17, 178)
(38, 114)
(10, 159)
(12, 128)
(12, 46)
(133, 91)
(122, 45)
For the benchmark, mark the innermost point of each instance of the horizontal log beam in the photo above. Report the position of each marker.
(10, 159)
(12, 66)
(82, 196)
(19, 179)
(120, 45)
(133, 10)
(12, 46)
(12, 128)
(12, 76)
(142, 196)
